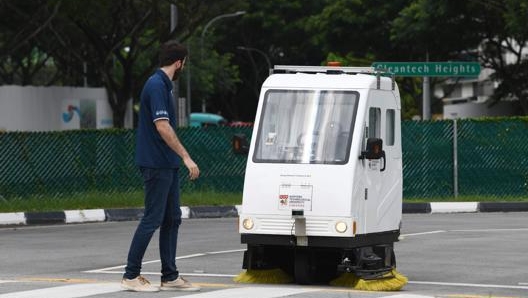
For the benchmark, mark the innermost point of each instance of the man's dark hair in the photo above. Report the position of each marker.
(170, 52)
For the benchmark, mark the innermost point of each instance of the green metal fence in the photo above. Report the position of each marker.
(64, 163)
(493, 158)
(468, 157)
(441, 159)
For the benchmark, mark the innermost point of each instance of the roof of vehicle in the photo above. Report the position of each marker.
(319, 77)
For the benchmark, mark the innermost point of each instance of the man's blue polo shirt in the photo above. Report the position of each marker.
(156, 104)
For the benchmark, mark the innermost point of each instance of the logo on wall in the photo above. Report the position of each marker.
(68, 116)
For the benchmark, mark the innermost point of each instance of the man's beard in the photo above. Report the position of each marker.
(176, 74)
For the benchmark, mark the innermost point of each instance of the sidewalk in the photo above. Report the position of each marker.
(99, 215)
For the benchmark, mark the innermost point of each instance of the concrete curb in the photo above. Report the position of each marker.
(416, 208)
(128, 214)
(446, 207)
(503, 207)
(14, 218)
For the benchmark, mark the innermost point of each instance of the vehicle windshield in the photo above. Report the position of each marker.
(306, 126)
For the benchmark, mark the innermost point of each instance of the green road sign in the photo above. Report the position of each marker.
(430, 69)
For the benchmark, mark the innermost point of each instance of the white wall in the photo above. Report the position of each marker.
(478, 109)
(36, 108)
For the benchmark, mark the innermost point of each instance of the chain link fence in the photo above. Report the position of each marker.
(441, 159)
(479, 158)
(59, 164)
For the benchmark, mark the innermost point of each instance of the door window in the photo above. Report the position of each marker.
(389, 127)
(374, 128)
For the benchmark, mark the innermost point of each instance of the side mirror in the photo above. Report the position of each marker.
(240, 144)
(374, 150)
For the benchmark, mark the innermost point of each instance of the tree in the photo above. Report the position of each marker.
(357, 33)
(310, 33)
(491, 32)
(442, 29)
(209, 73)
(277, 30)
(113, 38)
(118, 41)
(114, 43)
(22, 60)
(504, 34)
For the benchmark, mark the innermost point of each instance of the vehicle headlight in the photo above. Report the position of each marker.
(341, 226)
(247, 223)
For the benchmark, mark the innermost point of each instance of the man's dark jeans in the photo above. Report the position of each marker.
(162, 210)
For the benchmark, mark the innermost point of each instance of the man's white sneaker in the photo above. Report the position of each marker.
(138, 284)
(179, 284)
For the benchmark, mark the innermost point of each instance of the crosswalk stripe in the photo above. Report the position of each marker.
(92, 289)
(69, 291)
(253, 292)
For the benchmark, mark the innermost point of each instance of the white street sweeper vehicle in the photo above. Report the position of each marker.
(323, 183)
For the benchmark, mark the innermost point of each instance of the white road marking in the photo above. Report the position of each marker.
(253, 292)
(107, 269)
(6, 281)
(492, 230)
(157, 273)
(69, 291)
(225, 251)
(210, 253)
(424, 233)
(453, 284)
(95, 289)
(466, 230)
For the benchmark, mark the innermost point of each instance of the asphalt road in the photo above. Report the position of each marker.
(443, 255)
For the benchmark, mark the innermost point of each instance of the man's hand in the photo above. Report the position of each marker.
(194, 171)
(169, 136)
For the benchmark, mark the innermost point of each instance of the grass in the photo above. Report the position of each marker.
(102, 200)
(468, 199)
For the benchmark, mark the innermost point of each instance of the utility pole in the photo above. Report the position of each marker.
(179, 109)
(227, 15)
(426, 108)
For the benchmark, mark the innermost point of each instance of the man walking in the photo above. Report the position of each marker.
(158, 153)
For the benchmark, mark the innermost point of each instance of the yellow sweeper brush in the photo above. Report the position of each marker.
(263, 276)
(392, 281)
